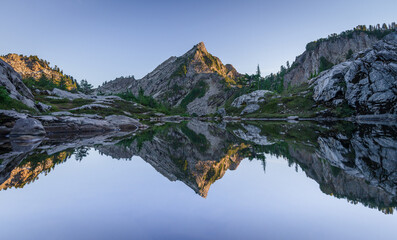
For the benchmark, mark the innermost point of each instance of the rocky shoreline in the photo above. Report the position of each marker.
(20, 124)
(92, 123)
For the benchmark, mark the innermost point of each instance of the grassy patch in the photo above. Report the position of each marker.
(343, 110)
(8, 103)
(197, 92)
(63, 104)
(198, 140)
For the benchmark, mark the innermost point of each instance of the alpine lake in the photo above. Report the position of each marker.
(204, 180)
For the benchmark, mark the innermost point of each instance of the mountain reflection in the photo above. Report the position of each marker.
(357, 162)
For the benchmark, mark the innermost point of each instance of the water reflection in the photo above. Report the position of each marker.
(351, 161)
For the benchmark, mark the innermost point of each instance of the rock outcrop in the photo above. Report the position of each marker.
(251, 101)
(178, 81)
(117, 85)
(14, 123)
(368, 83)
(334, 51)
(251, 98)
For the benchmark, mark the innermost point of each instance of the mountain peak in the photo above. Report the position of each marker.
(200, 46)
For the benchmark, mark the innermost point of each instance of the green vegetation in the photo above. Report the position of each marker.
(211, 61)
(8, 103)
(275, 82)
(180, 71)
(296, 101)
(182, 68)
(324, 64)
(197, 139)
(43, 83)
(85, 87)
(343, 110)
(146, 135)
(272, 82)
(62, 104)
(147, 101)
(197, 92)
(349, 54)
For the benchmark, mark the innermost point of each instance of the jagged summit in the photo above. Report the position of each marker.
(194, 81)
(201, 46)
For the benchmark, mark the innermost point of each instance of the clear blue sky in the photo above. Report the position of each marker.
(102, 40)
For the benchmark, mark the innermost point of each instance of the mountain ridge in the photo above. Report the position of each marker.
(36, 68)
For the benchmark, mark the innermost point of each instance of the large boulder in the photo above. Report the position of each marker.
(124, 122)
(27, 126)
(68, 124)
(250, 109)
(251, 98)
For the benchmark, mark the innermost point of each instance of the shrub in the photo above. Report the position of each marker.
(349, 54)
(197, 92)
(324, 64)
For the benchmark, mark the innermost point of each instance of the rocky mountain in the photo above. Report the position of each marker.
(331, 51)
(33, 67)
(195, 81)
(367, 83)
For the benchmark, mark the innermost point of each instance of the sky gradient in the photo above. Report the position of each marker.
(102, 40)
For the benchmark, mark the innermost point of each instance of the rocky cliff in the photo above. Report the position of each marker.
(367, 83)
(12, 82)
(334, 51)
(195, 81)
(33, 67)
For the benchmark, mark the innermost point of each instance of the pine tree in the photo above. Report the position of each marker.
(85, 87)
(258, 75)
(258, 71)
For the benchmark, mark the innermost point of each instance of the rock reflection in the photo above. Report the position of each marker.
(357, 162)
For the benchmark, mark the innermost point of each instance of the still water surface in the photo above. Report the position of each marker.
(204, 181)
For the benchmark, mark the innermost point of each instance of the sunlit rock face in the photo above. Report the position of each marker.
(34, 67)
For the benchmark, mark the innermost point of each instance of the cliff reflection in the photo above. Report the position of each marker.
(357, 162)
